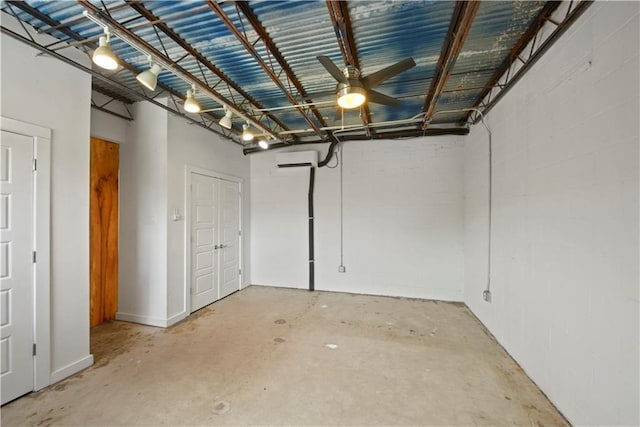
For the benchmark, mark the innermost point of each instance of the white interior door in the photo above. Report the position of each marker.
(204, 237)
(215, 239)
(228, 252)
(16, 266)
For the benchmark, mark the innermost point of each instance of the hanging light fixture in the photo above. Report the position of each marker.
(263, 144)
(149, 78)
(103, 56)
(246, 133)
(351, 95)
(225, 122)
(190, 104)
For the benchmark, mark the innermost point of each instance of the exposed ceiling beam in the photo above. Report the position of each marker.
(249, 46)
(463, 15)
(414, 133)
(517, 48)
(532, 58)
(339, 13)
(122, 32)
(162, 26)
(275, 52)
(111, 94)
(106, 79)
(91, 46)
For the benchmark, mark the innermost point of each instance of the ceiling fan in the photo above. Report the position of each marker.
(353, 89)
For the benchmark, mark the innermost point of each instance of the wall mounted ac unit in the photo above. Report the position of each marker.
(296, 159)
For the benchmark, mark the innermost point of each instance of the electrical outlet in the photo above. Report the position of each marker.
(341, 269)
(486, 295)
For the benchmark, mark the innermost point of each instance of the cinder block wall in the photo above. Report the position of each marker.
(565, 219)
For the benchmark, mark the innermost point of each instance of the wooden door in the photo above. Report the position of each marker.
(103, 232)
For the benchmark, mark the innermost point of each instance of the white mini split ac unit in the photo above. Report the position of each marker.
(296, 159)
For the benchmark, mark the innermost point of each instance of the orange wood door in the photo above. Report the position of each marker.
(103, 232)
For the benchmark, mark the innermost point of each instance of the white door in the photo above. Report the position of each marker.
(204, 237)
(215, 239)
(228, 252)
(16, 266)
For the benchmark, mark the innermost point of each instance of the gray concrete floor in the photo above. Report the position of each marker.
(283, 356)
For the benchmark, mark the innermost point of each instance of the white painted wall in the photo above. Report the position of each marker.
(59, 102)
(565, 225)
(403, 232)
(107, 126)
(192, 145)
(142, 287)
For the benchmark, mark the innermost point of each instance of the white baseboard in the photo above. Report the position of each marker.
(176, 318)
(73, 368)
(143, 320)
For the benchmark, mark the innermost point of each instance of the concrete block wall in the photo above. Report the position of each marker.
(565, 219)
(402, 220)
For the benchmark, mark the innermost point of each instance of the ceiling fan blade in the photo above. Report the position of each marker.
(332, 69)
(380, 98)
(380, 76)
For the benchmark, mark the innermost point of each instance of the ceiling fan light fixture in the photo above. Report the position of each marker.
(350, 96)
(190, 104)
(103, 56)
(225, 121)
(149, 78)
(246, 133)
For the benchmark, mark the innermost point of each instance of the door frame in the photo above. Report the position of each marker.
(41, 244)
(189, 170)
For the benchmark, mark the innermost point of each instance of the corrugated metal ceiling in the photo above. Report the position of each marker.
(384, 32)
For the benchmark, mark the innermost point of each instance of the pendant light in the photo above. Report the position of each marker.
(225, 121)
(149, 78)
(190, 104)
(103, 56)
(246, 133)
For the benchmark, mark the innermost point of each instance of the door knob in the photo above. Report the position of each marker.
(216, 247)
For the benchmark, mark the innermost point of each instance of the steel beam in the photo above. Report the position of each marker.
(531, 33)
(75, 36)
(380, 135)
(275, 52)
(217, 9)
(339, 13)
(463, 15)
(121, 31)
(106, 79)
(162, 26)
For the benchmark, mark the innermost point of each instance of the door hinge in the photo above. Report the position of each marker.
(240, 272)
(34, 349)
(34, 256)
(35, 165)
(239, 232)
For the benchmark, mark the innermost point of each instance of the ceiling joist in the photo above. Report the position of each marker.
(461, 21)
(159, 24)
(250, 47)
(339, 13)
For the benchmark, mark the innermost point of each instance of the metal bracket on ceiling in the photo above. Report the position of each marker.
(532, 45)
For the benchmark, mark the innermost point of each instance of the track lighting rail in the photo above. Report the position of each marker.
(115, 28)
(162, 26)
